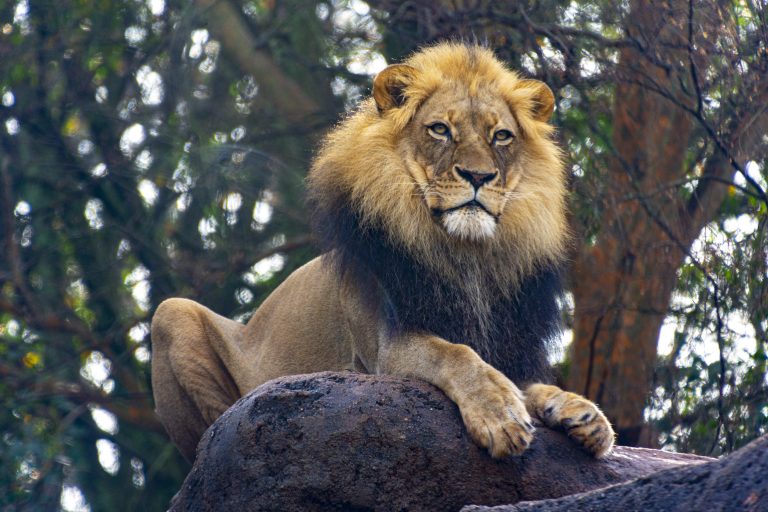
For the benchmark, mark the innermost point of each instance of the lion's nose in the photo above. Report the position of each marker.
(476, 178)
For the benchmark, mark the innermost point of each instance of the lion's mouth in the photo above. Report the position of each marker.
(474, 204)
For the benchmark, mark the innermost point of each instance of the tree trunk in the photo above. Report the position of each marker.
(622, 284)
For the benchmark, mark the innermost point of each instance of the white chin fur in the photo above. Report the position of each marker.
(469, 224)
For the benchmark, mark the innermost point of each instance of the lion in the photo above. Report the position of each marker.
(441, 207)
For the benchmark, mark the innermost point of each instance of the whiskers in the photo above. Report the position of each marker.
(427, 190)
(514, 195)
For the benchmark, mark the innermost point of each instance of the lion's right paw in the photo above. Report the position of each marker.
(496, 418)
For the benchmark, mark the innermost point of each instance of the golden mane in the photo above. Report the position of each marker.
(359, 166)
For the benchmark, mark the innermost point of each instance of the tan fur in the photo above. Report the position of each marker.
(378, 160)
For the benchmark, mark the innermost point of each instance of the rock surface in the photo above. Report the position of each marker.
(738, 482)
(347, 441)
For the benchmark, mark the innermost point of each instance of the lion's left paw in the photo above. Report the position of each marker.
(581, 419)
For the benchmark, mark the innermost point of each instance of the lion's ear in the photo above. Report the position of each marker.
(544, 100)
(389, 85)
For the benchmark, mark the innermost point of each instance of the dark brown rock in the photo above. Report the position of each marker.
(738, 482)
(346, 441)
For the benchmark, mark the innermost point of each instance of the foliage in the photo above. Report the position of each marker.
(157, 148)
(138, 162)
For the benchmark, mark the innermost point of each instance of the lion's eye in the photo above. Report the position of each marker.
(439, 130)
(502, 137)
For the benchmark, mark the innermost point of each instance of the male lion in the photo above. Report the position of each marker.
(441, 206)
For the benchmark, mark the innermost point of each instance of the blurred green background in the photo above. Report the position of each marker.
(157, 148)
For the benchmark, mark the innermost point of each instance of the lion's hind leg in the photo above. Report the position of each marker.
(191, 384)
(582, 420)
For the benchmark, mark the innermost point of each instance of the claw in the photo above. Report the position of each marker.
(490, 439)
(509, 436)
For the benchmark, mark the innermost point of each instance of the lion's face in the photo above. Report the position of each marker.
(463, 153)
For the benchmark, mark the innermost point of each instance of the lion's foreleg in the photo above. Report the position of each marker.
(491, 406)
(582, 419)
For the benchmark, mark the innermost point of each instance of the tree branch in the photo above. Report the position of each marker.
(275, 87)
